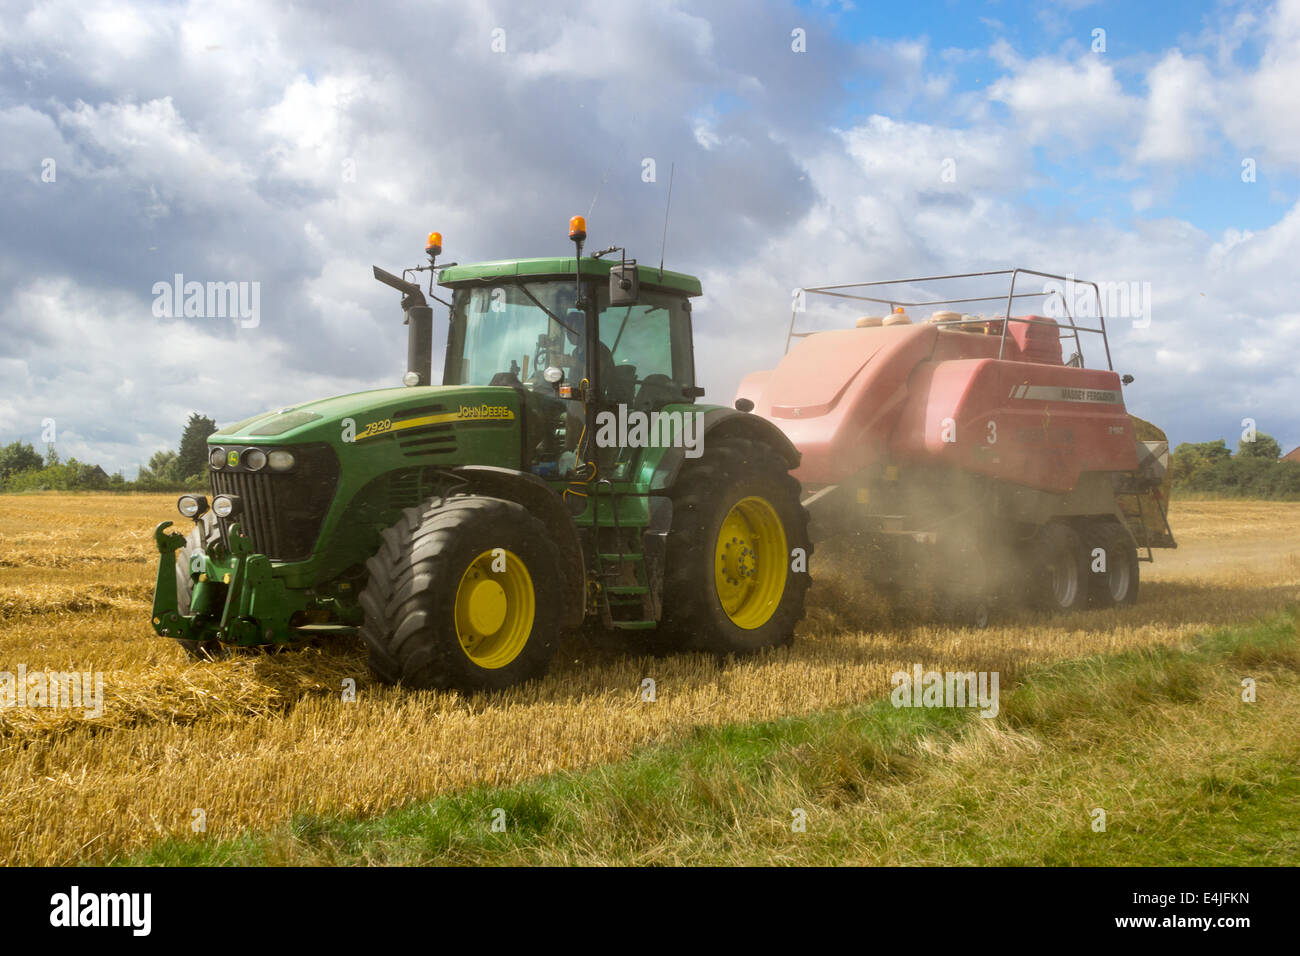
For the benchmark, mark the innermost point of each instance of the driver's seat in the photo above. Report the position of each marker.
(620, 383)
(656, 392)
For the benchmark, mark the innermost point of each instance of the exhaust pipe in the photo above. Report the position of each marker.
(419, 344)
(419, 326)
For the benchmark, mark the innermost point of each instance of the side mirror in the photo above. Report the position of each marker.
(1127, 379)
(624, 284)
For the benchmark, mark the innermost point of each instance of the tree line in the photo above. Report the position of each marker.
(1255, 471)
(23, 468)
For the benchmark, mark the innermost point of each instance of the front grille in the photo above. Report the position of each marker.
(282, 511)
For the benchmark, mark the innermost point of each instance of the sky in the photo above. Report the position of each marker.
(1153, 147)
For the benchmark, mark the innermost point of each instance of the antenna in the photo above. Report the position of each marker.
(603, 178)
(668, 205)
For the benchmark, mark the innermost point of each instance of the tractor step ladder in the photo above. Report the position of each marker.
(625, 598)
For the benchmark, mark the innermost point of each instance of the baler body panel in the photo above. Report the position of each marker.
(838, 395)
(1033, 424)
(921, 395)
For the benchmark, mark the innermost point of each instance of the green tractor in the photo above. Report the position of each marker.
(562, 474)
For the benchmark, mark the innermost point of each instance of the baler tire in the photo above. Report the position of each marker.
(1058, 547)
(1117, 586)
(706, 494)
(203, 535)
(963, 611)
(416, 602)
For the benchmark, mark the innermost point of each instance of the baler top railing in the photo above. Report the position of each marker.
(837, 291)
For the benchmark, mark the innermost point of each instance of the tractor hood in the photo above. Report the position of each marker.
(360, 415)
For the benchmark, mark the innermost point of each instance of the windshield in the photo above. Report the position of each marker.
(514, 328)
(652, 335)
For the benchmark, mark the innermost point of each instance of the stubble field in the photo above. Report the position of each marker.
(254, 739)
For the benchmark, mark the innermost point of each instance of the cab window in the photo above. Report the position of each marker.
(649, 345)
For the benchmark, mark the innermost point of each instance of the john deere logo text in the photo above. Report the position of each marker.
(464, 413)
(486, 411)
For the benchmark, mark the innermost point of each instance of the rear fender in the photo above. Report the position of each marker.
(719, 423)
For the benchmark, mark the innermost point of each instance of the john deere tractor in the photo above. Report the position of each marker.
(562, 473)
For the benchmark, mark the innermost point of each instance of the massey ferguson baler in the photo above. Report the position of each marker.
(975, 458)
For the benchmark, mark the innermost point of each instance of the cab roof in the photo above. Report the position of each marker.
(477, 272)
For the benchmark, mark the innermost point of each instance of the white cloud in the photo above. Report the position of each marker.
(1178, 111)
(1258, 106)
(1064, 104)
(901, 156)
(152, 143)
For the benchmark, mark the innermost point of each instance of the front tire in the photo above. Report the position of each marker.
(463, 594)
(732, 585)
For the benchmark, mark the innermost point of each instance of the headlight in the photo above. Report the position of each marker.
(216, 457)
(192, 506)
(280, 460)
(223, 506)
(254, 459)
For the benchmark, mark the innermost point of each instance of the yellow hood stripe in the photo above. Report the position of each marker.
(384, 426)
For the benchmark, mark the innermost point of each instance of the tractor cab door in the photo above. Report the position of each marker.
(647, 362)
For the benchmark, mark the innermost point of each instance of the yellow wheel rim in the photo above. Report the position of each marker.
(750, 563)
(494, 608)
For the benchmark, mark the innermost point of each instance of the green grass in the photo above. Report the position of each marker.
(1186, 772)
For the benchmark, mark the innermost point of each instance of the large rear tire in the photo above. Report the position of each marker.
(731, 585)
(1116, 582)
(1058, 572)
(463, 594)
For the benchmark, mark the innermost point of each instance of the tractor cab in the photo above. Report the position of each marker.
(527, 331)
(530, 325)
